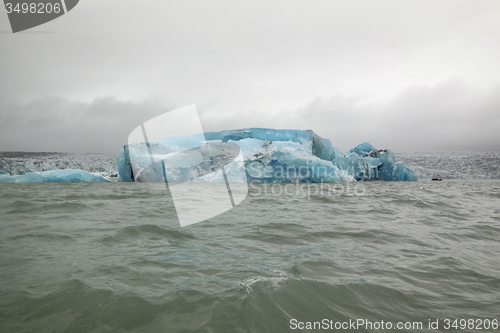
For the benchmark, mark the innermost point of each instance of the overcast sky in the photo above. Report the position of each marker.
(406, 75)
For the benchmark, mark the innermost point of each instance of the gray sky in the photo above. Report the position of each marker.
(406, 75)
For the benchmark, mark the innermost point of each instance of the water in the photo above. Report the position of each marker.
(112, 258)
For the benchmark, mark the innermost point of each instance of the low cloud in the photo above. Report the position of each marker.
(56, 124)
(445, 117)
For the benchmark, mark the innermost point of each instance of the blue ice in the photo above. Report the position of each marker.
(271, 156)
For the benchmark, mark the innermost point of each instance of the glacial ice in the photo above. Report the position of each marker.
(19, 163)
(368, 163)
(270, 156)
(454, 165)
(53, 176)
(449, 165)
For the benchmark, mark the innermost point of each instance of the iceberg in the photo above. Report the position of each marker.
(368, 163)
(53, 176)
(269, 155)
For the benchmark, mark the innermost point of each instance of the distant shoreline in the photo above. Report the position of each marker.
(449, 165)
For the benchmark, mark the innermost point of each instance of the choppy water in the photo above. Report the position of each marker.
(111, 258)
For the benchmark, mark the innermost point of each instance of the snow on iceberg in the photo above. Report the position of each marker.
(53, 176)
(270, 156)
